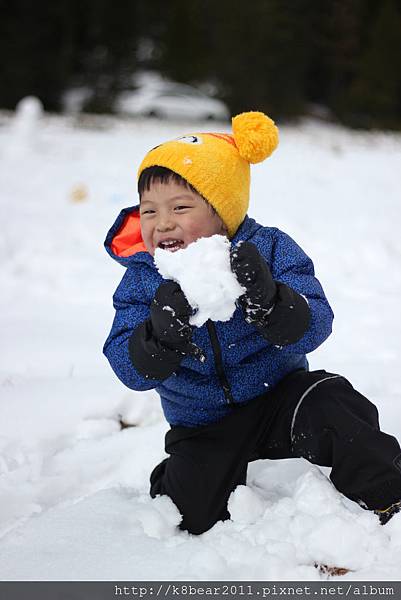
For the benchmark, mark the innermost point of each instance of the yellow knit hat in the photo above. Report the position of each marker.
(217, 164)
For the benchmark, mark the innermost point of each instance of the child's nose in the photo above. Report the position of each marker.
(166, 224)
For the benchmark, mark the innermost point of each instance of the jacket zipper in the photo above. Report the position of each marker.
(219, 362)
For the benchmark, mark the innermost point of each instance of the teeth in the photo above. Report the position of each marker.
(170, 243)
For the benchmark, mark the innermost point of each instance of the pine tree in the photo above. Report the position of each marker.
(374, 97)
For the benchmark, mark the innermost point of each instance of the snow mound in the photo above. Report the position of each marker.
(245, 505)
(159, 517)
(317, 524)
(140, 408)
(204, 273)
(26, 122)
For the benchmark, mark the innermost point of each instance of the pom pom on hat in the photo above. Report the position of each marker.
(255, 135)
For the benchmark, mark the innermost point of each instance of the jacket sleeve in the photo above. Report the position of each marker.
(131, 311)
(292, 267)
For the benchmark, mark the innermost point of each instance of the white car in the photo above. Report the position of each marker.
(170, 100)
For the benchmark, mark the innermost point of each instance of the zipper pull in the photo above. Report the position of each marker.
(197, 352)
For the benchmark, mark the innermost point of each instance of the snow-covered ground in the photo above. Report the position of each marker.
(73, 484)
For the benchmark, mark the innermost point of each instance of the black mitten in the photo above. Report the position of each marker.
(169, 314)
(280, 314)
(158, 345)
(253, 274)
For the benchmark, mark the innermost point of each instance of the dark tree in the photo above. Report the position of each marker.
(374, 96)
(273, 55)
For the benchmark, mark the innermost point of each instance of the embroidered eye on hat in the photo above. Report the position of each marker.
(217, 165)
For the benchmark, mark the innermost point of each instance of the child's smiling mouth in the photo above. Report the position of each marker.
(171, 244)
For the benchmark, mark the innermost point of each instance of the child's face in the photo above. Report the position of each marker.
(171, 212)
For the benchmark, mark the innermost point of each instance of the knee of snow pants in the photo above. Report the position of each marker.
(336, 426)
(200, 497)
(208, 462)
(330, 408)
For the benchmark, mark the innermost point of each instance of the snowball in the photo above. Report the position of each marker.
(159, 517)
(244, 505)
(315, 494)
(204, 273)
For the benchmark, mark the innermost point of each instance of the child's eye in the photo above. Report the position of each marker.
(181, 207)
(146, 212)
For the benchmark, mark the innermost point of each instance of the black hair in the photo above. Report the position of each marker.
(161, 175)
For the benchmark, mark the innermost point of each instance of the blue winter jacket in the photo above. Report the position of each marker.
(194, 395)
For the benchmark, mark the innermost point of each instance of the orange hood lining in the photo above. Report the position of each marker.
(128, 240)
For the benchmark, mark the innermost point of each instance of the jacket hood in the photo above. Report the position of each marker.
(124, 240)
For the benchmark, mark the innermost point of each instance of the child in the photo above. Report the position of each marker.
(239, 390)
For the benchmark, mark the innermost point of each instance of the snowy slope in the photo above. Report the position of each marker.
(73, 485)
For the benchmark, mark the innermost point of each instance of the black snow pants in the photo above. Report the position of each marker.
(311, 414)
